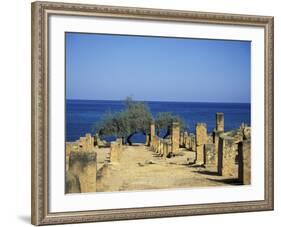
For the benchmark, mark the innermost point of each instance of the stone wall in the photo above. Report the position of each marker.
(82, 172)
(210, 156)
(227, 157)
(201, 139)
(152, 133)
(186, 142)
(115, 150)
(175, 137)
(162, 147)
(219, 122)
(192, 142)
(244, 160)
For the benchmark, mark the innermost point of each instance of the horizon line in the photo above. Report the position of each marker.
(77, 99)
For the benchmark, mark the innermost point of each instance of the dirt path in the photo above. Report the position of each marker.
(139, 168)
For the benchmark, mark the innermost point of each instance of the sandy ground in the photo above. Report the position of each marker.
(140, 168)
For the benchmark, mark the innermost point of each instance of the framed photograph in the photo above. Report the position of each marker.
(149, 113)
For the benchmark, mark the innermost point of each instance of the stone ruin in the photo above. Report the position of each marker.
(115, 151)
(228, 153)
(81, 163)
(201, 140)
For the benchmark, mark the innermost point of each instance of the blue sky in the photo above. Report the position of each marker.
(112, 67)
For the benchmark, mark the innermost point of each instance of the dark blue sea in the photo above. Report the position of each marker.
(81, 115)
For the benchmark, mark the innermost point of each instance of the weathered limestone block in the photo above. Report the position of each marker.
(84, 166)
(185, 140)
(219, 122)
(161, 147)
(201, 134)
(175, 137)
(147, 140)
(201, 139)
(181, 139)
(68, 148)
(86, 143)
(216, 136)
(244, 162)
(89, 140)
(114, 152)
(158, 146)
(192, 141)
(166, 147)
(200, 154)
(82, 144)
(152, 132)
(210, 155)
(72, 184)
(247, 133)
(226, 156)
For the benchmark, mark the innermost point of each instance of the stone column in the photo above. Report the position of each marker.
(226, 157)
(219, 122)
(152, 132)
(186, 140)
(192, 141)
(114, 152)
(84, 166)
(201, 139)
(72, 184)
(147, 140)
(161, 147)
(244, 162)
(158, 146)
(175, 137)
(181, 139)
(210, 155)
(89, 142)
(165, 148)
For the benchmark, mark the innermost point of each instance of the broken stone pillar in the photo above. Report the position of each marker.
(210, 155)
(166, 143)
(181, 139)
(84, 166)
(192, 142)
(158, 145)
(161, 147)
(226, 157)
(89, 142)
(185, 140)
(219, 122)
(201, 139)
(175, 137)
(114, 152)
(246, 133)
(216, 136)
(244, 162)
(82, 144)
(147, 140)
(72, 184)
(152, 132)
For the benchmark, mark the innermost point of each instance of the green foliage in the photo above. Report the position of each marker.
(164, 120)
(135, 118)
(113, 124)
(138, 116)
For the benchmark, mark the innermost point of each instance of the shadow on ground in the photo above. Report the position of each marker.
(206, 172)
(231, 181)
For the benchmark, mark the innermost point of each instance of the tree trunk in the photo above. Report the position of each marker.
(129, 139)
(167, 133)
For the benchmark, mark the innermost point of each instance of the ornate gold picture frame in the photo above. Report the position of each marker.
(41, 67)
